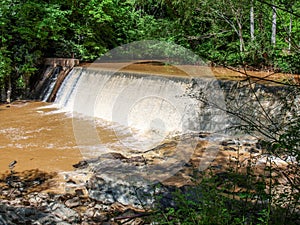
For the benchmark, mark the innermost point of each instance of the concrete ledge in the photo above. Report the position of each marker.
(64, 62)
(55, 70)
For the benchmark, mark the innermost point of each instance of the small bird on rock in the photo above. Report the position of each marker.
(12, 165)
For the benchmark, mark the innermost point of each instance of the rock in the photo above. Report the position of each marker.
(48, 219)
(228, 142)
(247, 144)
(75, 182)
(100, 216)
(136, 159)
(108, 190)
(203, 135)
(91, 204)
(2, 221)
(252, 150)
(228, 148)
(79, 192)
(95, 215)
(63, 223)
(129, 217)
(109, 223)
(24, 215)
(37, 199)
(115, 155)
(74, 202)
(164, 146)
(16, 202)
(216, 167)
(63, 212)
(81, 165)
(89, 213)
(71, 181)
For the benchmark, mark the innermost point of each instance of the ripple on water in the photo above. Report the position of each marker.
(35, 139)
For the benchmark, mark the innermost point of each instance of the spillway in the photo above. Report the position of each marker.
(144, 102)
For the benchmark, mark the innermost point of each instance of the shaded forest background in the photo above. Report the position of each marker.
(257, 34)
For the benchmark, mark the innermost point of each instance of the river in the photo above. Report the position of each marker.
(36, 138)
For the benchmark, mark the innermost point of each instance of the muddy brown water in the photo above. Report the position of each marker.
(38, 136)
(36, 139)
(222, 73)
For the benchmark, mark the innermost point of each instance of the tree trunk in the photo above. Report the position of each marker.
(241, 37)
(8, 93)
(274, 17)
(237, 12)
(252, 21)
(290, 34)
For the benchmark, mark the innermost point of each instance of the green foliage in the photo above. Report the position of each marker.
(5, 67)
(230, 197)
(218, 31)
(288, 63)
(27, 28)
(207, 203)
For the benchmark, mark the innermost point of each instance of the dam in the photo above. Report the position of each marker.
(143, 111)
(132, 111)
(137, 107)
(155, 106)
(114, 133)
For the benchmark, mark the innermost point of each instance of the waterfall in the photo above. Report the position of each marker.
(148, 103)
(171, 105)
(50, 83)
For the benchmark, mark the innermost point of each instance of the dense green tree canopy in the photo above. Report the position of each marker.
(219, 31)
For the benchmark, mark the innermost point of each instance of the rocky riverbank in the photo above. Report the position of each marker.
(46, 208)
(113, 188)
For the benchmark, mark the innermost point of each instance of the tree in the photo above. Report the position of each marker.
(32, 30)
(274, 20)
(252, 20)
(27, 29)
(216, 30)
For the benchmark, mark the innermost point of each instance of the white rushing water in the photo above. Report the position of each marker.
(147, 103)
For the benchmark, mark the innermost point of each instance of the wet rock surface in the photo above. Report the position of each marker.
(45, 208)
(113, 188)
